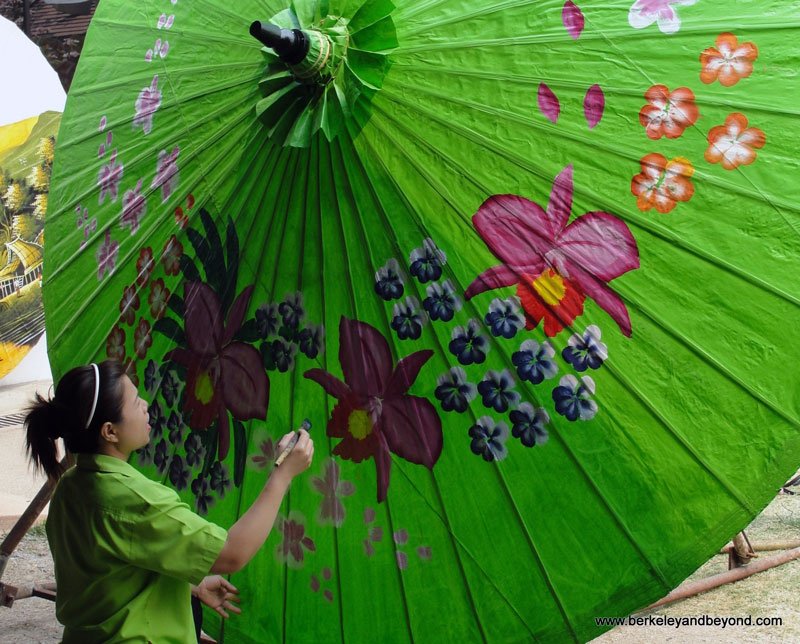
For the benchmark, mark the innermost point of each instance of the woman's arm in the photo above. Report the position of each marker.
(250, 532)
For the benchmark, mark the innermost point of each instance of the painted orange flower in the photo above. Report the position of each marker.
(734, 144)
(662, 184)
(728, 62)
(668, 113)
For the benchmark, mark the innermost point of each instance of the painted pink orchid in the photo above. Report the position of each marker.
(222, 375)
(375, 416)
(332, 488)
(109, 177)
(166, 172)
(147, 103)
(555, 265)
(644, 13)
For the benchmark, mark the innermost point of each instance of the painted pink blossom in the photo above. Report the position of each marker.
(167, 172)
(644, 13)
(266, 454)
(103, 123)
(134, 208)
(158, 298)
(144, 266)
(291, 550)
(332, 488)
(147, 103)
(109, 177)
(547, 259)
(107, 256)
(573, 20)
(115, 344)
(142, 339)
(128, 305)
(375, 416)
(171, 257)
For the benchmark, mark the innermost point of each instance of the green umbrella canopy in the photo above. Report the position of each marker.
(528, 268)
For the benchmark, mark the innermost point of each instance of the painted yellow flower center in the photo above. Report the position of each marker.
(359, 424)
(550, 287)
(204, 388)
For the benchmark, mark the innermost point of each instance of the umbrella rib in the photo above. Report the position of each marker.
(320, 239)
(730, 488)
(346, 185)
(396, 462)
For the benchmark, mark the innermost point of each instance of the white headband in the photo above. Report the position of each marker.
(96, 392)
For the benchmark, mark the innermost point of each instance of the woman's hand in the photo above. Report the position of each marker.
(218, 593)
(299, 459)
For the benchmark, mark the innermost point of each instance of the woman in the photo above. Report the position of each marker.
(126, 549)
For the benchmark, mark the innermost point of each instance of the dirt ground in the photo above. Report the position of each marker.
(768, 594)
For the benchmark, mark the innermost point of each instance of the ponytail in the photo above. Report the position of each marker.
(85, 398)
(41, 424)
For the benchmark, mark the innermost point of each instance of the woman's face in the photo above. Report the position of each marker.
(134, 427)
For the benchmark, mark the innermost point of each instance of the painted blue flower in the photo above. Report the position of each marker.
(175, 426)
(489, 439)
(150, 375)
(203, 498)
(504, 317)
(442, 302)
(468, 345)
(195, 450)
(407, 320)
(389, 281)
(453, 390)
(156, 420)
(529, 424)
(573, 398)
(291, 310)
(170, 387)
(219, 479)
(426, 262)
(267, 320)
(178, 473)
(279, 355)
(497, 390)
(161, 457)
(311, 340)
(585, 351)
(534, 361)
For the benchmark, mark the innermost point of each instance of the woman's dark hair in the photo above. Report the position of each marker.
(66, 413)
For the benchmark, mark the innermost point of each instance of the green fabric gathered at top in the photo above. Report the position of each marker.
(126, 551)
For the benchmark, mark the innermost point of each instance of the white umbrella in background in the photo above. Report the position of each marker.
(30, 105)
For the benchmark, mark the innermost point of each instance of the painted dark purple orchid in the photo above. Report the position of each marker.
(549, 259)
(375, 415)
(222, 375)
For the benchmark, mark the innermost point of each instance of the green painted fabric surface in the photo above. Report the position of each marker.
(537, 297)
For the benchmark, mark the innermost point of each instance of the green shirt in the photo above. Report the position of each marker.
(126, 550)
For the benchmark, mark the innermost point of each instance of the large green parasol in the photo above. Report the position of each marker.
(528, 267)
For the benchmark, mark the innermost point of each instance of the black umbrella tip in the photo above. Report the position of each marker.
(291, 45)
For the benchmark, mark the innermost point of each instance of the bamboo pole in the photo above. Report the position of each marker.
(696, 587)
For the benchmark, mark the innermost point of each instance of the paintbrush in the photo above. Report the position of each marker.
(306, 424)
